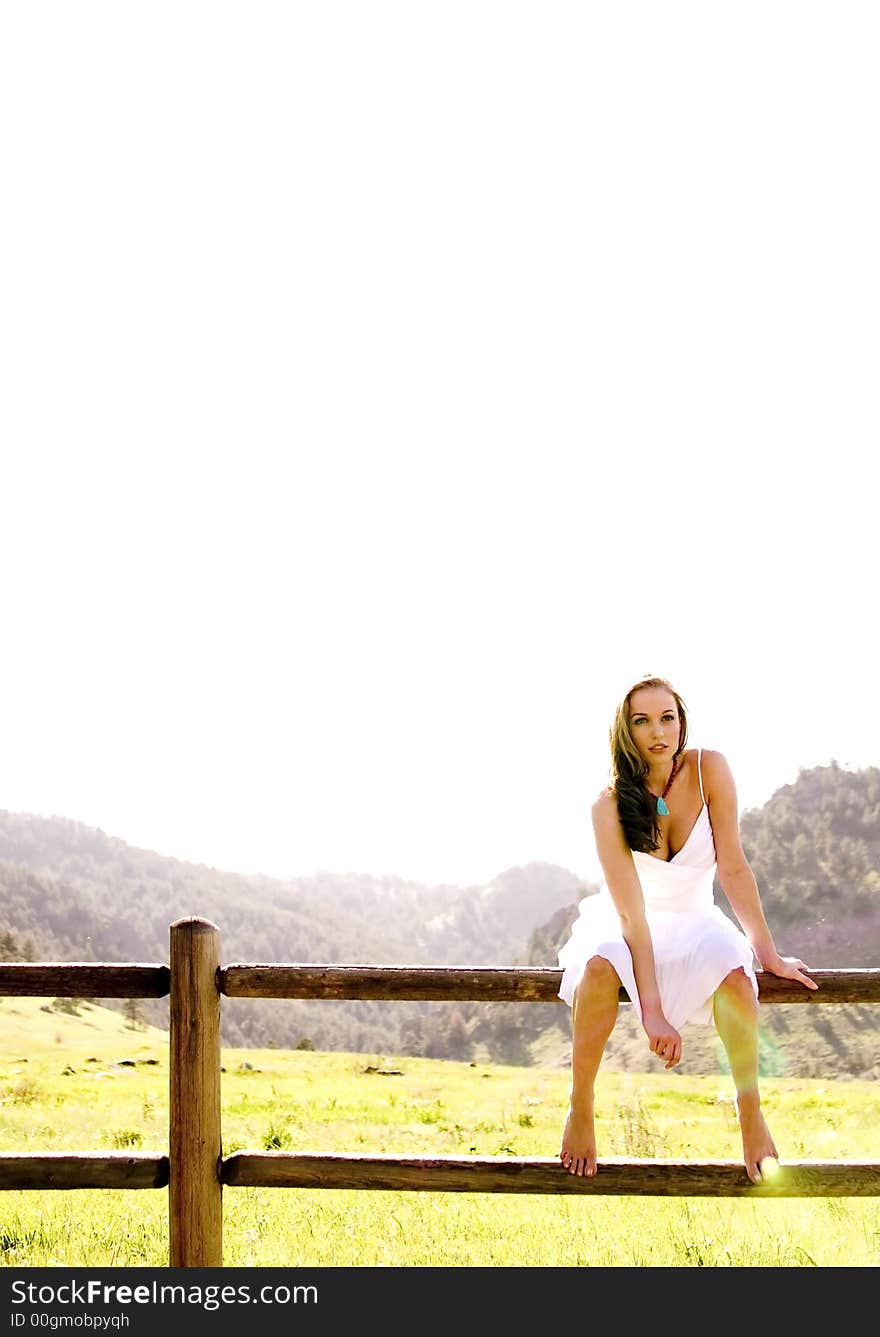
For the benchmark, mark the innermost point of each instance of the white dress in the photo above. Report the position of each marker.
(695, 944)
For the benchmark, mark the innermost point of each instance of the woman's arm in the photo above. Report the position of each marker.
(735, 873)
(623, 883)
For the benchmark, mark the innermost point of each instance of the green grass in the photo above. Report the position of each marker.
(63, 1087)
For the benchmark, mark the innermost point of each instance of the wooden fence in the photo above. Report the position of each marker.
(195, 1171)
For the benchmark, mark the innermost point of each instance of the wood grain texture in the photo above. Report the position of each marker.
(86, 1169)
(510, 1174)
(524, 984)
(194, 1190)
(84, 979)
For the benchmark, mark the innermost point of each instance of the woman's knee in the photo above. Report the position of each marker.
(599, 976)
(736, 979)
(737, 985)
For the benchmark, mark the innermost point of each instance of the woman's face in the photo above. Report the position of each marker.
(654, 723)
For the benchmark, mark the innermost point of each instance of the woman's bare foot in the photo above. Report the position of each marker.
(757, 1140)
(578, 1152)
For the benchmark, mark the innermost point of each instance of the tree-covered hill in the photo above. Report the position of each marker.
(815, 850)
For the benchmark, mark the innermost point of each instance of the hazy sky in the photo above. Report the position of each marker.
(387, 385)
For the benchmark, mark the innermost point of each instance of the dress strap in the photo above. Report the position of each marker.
(700, 773)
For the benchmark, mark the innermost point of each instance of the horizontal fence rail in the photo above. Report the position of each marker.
(83, 979)
(195, 1170)
(514, 984)
(512, 1174)
(84, 1169)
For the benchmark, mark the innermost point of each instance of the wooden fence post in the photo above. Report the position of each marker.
(195, 1209)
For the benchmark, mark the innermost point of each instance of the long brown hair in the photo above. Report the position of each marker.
(637, 811)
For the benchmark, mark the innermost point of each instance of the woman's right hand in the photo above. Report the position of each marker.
(663, 1039)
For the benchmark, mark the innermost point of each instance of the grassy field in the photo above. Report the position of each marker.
(89, 1082)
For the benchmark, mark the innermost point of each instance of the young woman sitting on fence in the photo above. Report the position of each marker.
(664, 826)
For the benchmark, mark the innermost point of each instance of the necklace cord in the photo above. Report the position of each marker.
(662, 809)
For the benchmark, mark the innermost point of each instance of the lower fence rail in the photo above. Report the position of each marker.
(512, 1174)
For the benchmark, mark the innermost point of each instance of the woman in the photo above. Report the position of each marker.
(663, 828)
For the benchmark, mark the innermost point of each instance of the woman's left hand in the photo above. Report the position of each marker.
(788, 968)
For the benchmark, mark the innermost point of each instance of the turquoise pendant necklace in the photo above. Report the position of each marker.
(661, 799)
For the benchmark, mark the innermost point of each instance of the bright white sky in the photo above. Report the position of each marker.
(387, 385)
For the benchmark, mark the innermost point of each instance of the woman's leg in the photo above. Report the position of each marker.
(736, 1017)
(593, 1014)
